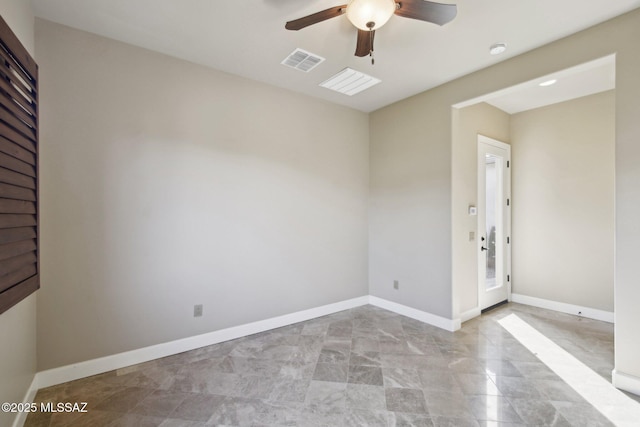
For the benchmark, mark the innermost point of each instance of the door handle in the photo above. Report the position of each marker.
(482, 248)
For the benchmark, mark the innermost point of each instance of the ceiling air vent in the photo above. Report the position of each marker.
(302, 60)
(350, 82)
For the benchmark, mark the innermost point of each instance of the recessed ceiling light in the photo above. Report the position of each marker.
(497, 48)
(548, 83)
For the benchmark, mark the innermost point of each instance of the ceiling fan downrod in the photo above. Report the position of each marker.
(370, 26)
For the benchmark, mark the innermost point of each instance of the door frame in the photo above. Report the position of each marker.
(506, 240)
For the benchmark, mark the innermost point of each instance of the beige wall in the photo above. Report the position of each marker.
(18, 324)
(467, 123)
(166, 184)
(562, 193)
(410, 196)
(411, 217)
(17, 353)
(563, 216)
(20, 17)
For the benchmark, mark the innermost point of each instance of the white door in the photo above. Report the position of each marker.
(494, 222)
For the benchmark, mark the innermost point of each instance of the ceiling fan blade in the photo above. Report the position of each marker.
(364, 44)
(314, 18)
(423, 10)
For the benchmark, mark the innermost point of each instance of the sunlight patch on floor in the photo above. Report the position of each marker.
(611, 402)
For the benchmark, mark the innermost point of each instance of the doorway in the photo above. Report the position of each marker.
(494, 222)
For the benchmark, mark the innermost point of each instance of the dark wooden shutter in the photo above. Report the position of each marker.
(19, 221)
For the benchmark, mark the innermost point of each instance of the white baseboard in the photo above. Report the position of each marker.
(88, 368)
(626, 382)
(590, 313)
(470, 314)
(423, 316)
(116, 361)
(29, 397)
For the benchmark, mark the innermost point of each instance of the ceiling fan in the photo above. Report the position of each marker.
(369, 15)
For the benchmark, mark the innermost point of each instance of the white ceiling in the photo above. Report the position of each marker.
(582, 80)
(248, 38)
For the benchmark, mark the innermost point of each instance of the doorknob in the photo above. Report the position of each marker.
(482, 248)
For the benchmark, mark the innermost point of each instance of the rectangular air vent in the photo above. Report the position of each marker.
(350, 82)
(302, 60)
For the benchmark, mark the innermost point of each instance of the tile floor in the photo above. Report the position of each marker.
(360, 367)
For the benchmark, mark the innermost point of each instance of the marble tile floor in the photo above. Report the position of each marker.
(361, 367)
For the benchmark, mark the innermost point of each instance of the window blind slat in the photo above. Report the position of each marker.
(8, 191)
(10, 90)
(11, 265)
(12, 135)
(10, 250)
(11, 206)
(19, 189)
(10, 68)
(14, 220)
(16, 56)
(8, 235)
(10, 177)
(17, 124)
(8, 73)
(17, 276)
(16, 165)
(13, 105)
(16, 150)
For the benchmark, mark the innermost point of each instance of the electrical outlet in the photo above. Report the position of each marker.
(472, 236)
(197, 310)
(396, 285)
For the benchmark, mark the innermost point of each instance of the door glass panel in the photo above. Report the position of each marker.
(493, 219)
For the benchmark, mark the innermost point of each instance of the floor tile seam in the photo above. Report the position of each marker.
(167, 416)
(521, 420)
(515, 407)
(499, 393)
(148, 393)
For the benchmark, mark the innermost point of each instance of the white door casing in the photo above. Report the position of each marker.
(494, 222)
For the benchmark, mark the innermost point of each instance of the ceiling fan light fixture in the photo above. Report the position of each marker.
(370, 14)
